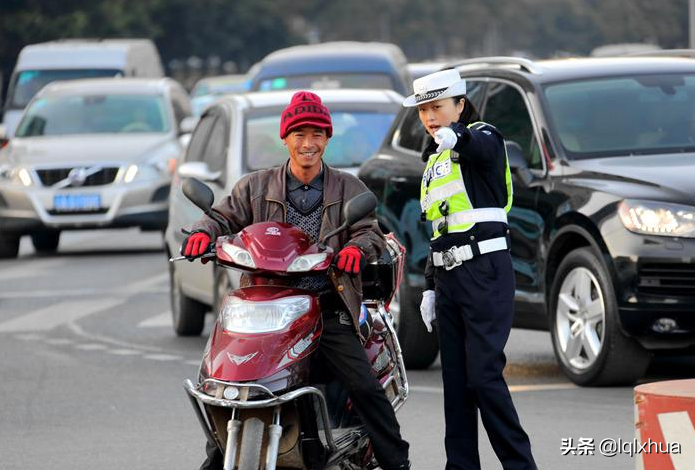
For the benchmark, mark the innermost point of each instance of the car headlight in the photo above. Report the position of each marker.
(154, 168)
(239, 255)
(17, 175)
(245, 316)
(306, 262)
(658, 218)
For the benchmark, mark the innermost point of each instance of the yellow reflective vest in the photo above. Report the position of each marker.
(443, 195)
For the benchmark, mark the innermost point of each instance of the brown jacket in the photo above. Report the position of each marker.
(260, 197)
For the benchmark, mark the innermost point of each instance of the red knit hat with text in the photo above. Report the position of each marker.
(305, 109)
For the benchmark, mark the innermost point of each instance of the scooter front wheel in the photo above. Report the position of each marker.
(251, 442)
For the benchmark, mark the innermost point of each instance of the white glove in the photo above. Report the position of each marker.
(446, 138)
(427, 309)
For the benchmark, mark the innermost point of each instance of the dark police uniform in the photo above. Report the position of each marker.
(470, 269)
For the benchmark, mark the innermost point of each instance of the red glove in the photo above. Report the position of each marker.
(194, 245)
(351, 260)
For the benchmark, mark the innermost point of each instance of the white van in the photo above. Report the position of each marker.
(40, 64)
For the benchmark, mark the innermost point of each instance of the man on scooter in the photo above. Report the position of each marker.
(309, 194)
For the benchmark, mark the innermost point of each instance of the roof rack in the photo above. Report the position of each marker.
(522, 63)
(684, 53)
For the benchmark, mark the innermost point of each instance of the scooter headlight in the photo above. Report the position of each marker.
(306, 262)
(245, 316)
(239, 255)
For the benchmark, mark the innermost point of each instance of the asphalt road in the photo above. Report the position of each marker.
(91, 373)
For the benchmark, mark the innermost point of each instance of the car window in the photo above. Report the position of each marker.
(28, 82)
(95, 114)
(327, 81)
(621, 116)
(506, 109)
(357, 135)
(412, 133)
(199, 139)
(214, 153)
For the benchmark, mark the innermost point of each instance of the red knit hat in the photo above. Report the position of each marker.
(305, 109)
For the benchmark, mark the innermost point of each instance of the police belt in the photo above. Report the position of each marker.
(456, 255)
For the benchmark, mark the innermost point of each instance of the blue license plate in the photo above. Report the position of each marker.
(76, 202)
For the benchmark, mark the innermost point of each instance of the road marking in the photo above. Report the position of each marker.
(147, 283)
(192, 363)
(512, 388)
(47, 318)
(124, 352)
(157, 321)
(59, 341)
(75, 328)
(91, 347)
(29, 337)
(29, 269)
(162, 357)
(55, 293)
(677, 427)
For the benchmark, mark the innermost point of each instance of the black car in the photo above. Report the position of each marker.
(602, 153)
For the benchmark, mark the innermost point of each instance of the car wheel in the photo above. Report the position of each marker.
(585, 328)
(419, 347)
(45, 242)
(188, 314)
(9, 245)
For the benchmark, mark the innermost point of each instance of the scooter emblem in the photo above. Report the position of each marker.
(239, 360)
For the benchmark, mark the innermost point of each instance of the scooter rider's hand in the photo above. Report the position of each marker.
(195, 245)
(351, 260)
(446, 138)
(427, 309)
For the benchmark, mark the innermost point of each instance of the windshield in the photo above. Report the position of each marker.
(635, 115)
(327, 81)
(357, 135)
(94, 114)
(29, 82)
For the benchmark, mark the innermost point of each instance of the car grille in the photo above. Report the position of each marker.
(51, 176)
(666, 279)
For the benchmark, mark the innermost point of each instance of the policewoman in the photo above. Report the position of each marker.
(466, 194)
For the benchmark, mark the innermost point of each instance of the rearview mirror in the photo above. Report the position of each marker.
(198, 170)
(359, 207)
(187, 125)
(198, 193)
(354, 210)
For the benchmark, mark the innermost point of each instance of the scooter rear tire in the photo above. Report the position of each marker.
(251, 442)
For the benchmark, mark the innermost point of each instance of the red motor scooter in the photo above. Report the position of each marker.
(254, 397)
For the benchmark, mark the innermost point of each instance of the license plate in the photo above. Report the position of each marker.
(76, 202)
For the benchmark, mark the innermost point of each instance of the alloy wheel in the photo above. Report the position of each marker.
(580, 318)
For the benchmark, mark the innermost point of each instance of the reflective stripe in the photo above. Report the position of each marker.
(443, 192)
(459, 254)
(473, 216)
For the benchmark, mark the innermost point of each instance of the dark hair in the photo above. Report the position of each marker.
(469, 114)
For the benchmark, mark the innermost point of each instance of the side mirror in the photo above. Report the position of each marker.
(515, 155)
(198, 170)
(359, 207)
(517, 162)
(187, 125)
(198, 193)
(354, 209)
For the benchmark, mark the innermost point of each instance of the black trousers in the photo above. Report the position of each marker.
(342, 353)
(474, 306)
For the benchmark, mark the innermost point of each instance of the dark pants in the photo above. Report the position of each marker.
(344, 356)
(474, 305)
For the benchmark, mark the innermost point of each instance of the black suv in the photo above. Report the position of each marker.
(602, 153)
